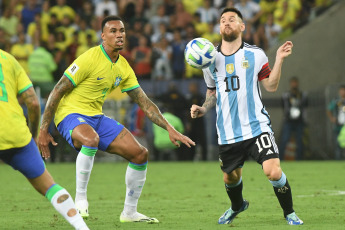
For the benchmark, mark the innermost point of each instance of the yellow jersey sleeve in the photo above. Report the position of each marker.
(78, 70)
(14, 132)
(130, 80)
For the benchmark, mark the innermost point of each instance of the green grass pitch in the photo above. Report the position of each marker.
(181, 196)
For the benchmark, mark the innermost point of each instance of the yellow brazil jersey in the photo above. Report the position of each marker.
(94, 76)
(14, 132)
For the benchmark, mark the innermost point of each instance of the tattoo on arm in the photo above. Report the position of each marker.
(149, 108)
(210, 100)
(34, 111)
(63, 87)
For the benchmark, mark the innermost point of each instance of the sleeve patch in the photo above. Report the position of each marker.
(73, 69)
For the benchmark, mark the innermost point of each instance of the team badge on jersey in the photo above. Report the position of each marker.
(73, 69)
(230, 68)
(245, 63)
(117, 81)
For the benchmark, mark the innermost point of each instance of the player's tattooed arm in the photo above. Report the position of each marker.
(34, 111)
(64, 86)
(149, 108)
(210, 100)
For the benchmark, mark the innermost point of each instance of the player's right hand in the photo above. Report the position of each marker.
(44, 138)
(197, 111)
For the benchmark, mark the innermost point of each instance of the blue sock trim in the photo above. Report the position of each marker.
(89, 147)
(50, 188)
(139, 164)
(234, 185)
(279, 183)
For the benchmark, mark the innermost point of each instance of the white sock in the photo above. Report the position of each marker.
(84, 165)
(135, 180)
(63, 203)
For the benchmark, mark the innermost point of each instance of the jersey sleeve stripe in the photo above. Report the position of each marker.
(70, 78)
(129, 89)
(25, 88)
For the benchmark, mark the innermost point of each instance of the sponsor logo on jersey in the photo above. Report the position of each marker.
(245, 63)
(117, 81)
(73, 69)
(230, 68)
(269, 152)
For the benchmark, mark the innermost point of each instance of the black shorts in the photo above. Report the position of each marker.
(260, 148)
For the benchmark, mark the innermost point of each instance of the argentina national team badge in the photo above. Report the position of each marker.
(245, 63)
(230, 68)
(117, 81)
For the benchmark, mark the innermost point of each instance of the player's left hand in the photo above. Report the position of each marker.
(284, 50)
(176, 136)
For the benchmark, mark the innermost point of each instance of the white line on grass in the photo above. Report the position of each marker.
(325, 193)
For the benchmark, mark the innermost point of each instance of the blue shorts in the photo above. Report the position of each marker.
(106, 128)
(26, 160)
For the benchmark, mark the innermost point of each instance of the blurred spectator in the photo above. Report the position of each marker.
(285, 16)
(20, 30)
(71, 55)
(336, 114)
(82, 48)
(251, 13)
(190, 71)
(9, 22)
(182, 17)
(141, 56)
(207, 12)
(159, 18)
(21, 51)
(200, 27)
(177, 60)
(67, 29)
(4, 43)
(38, 26)
(211, 35)
(161, 139)
(294, 105)
(267, 35)
(147, 32)
(86, 13)
(103, 5)
(58, 55)
(162, 33)
(29, 12)
(61, 10)
(53, 24)
(136, 123)
(169, 7)
(196, 129)
(176, 101)
(45, 14)
(84, 31)
(162, 66)
(41, 66)
(267, 7)
(191, 6)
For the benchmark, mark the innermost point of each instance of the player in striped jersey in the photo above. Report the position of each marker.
(18, 141)
(243, 125)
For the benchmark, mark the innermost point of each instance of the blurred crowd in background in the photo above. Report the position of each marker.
(46, 36)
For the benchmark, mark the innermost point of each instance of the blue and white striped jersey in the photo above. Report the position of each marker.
(241, 114)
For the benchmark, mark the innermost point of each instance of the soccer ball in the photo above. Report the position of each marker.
(200, 53)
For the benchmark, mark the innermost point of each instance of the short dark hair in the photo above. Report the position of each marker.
(232, 9)
(110, 18)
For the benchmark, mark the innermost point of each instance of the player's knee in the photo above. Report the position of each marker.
(142, 156)
(91, 141)
(274, 174)
(231, 179)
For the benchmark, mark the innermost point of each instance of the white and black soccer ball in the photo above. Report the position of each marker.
(200, 53)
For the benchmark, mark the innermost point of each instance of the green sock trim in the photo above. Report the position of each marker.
(52, 191)
(138, 167)
(88, 151)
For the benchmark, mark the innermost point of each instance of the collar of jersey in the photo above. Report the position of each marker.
(106, 55)
(220, 44)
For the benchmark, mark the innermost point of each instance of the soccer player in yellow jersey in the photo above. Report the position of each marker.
(76, 101)
(18, 141)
